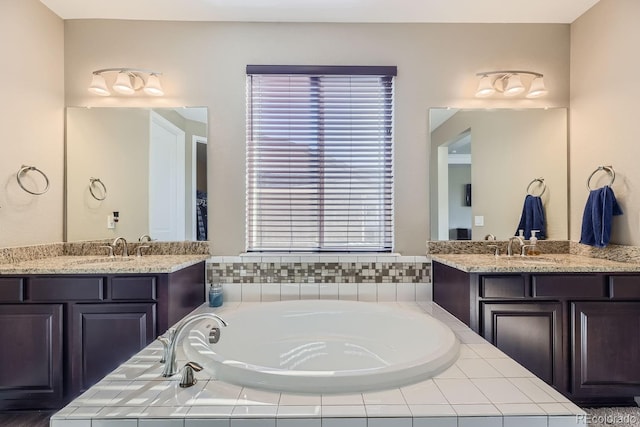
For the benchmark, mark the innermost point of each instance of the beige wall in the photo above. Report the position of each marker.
(32, 121)
(510, 148)
(604, 111)
(204, 65)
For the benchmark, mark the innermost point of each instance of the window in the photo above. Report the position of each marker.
(319, 158)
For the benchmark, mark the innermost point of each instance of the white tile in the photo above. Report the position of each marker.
(467, 352)
(367, 292)
(387, 411)
(348, 291)
(159, 422)
(343, 411)
(435, 422)
(555, 409)
(406, 291)
(386, 397)
(344, 422)
(432, 410)
(251, 292)
(367, 259)
(342, 399)
(574, 408)
(549, 390)
(422, 260)
(423, 393)
(452, 372)
(477, 368)
(299, 411)
(256, 422)
(70, 423)
(85, 412)
(290, 291)
(206, 422)
(213, 411)
(476, 410)
(424, 292)
(500, 390)
(253, 411)
(62, 413)
(406, 259)
(114, 423)
(390, 422)
(467, 336)
(166, 412)
(387, 258)
(386, 291)
(486, 350)
(129, 412)
(310, 259)
(299, 422)
(535, 393)
(232, 259)
(520, 409)
(347, 258)
(218, 393)
(509, 368)
(289, 259)
(270, 292)
(178, 396)
(479, 422)
(309, 291)
(524, 421)
(566, 421)
(287, 399)
(250, 396)
(328, 291)
(215, 260)
(460, 391)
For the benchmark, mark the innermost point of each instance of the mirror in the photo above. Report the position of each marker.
(482, 165)
(135, 171)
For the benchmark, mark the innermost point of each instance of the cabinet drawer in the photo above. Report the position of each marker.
(624, 286)
(502, 287)
(574, 286)
(61, 288)
(133, 288)
(11, 289)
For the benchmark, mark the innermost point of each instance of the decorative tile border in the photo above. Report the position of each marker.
(319, 269)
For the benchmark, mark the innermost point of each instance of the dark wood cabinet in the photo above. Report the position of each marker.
(102, 336)
(66, 332)
(579, 332)
(530, 333)
(31, 372)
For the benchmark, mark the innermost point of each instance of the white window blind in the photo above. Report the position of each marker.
(319, 159)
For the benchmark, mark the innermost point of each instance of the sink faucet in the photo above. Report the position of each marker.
(125, 251)
(144, 238)
(170, 363)
(516, 238)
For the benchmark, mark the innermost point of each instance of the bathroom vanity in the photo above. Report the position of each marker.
(65, 322)
(572, 320)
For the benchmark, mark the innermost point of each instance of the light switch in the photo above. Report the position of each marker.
(478, 221)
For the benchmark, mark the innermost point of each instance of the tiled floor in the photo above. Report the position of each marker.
(483, 388)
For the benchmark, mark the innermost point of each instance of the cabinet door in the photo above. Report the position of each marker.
(31, 356)
(531, 333)
(102, 336)
(606, 349)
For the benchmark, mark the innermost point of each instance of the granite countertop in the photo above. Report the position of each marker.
(102, 264)
(545, 263)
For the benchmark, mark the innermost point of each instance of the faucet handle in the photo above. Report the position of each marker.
(496, 249)
(140, 248)
(188, 377)
(165, 347)
(110, 248)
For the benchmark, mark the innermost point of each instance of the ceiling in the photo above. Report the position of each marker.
(459, 11)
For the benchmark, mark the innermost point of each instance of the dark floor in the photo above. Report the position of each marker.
(25, 418)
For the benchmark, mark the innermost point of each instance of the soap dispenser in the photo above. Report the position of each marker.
(533, 243)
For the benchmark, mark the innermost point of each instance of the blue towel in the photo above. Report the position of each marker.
(532, 217)
(598, 214)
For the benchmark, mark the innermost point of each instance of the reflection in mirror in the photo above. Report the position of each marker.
(152, 164)
(482, 162)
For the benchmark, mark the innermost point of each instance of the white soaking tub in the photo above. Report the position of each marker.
(323, 346)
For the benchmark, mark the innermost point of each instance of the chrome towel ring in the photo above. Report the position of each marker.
(96, 183)
(541, 183)
(23, 170)
(608, 169)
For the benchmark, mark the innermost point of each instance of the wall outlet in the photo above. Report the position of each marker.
(478, 221)
(111, 223)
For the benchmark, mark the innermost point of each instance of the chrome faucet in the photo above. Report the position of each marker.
(174, 337)
(511, 239)
(125, 250)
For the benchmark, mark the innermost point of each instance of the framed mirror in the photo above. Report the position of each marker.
(136, 171)
(482, 165)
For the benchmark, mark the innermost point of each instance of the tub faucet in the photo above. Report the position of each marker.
(170, 363)
(125, 250)
(516, 238)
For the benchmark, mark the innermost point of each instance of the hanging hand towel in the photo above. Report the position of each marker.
(532, 217)
(598, 215)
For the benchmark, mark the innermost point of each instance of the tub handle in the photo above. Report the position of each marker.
(188, 376)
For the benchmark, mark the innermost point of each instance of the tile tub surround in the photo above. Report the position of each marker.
(483, 388)
(319, 269)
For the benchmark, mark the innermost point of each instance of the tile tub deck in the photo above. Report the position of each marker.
(484, 388)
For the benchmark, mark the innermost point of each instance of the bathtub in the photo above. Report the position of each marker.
(323, 346)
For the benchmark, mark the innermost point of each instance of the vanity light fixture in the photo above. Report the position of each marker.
(509, 83)
(127, 82)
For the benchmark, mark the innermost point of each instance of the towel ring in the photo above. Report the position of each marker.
(24, 169)
(541, 181)
(608, 169)
(95, 182)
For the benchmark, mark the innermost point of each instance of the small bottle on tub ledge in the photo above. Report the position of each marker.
(215, 295)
